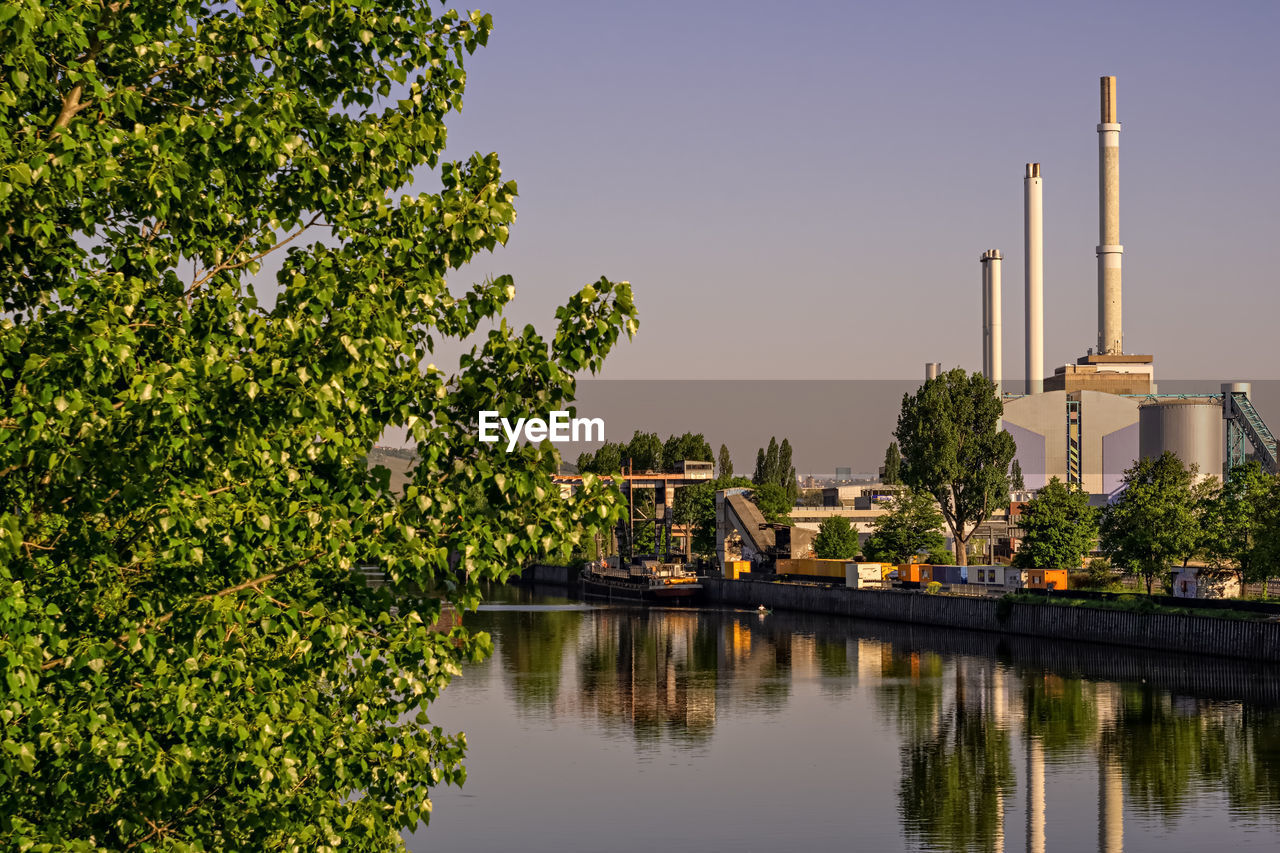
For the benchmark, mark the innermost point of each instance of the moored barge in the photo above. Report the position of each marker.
(645, 581)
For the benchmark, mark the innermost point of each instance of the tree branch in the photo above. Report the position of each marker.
(229, 266)
(253, 584)
(70, 106)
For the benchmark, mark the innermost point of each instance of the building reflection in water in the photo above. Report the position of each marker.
(968, 709)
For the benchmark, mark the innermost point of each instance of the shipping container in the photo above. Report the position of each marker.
(1047, 578)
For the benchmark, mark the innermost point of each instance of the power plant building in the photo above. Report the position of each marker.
(1091, 420)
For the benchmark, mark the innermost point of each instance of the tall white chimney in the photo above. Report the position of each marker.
(1033, 244)
(986, 316)
(1110, 252)
(997, 342)
(993, 343)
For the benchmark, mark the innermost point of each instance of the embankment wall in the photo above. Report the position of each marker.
(1253, 640)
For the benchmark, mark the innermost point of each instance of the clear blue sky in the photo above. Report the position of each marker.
(803, 190)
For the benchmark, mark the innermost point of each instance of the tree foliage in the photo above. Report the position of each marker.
(1267, 544)
(787, 472)
(1232, 519)
(892, 465)
(609, 458)
(1016, 481)
(644, 451)
(953, 449)
(1153, 522)
(836, 539)
(771, 499)
(911, 527)
(691, 447)
(724, 464)
(190, 659)
(773, 467)
(695, 505)
(767, 464)
(1059, 528)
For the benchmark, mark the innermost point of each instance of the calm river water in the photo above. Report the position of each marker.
(624, 729)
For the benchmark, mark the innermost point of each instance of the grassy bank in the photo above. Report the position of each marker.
(1129, 603)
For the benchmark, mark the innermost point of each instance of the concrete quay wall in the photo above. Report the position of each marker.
(1203, 635)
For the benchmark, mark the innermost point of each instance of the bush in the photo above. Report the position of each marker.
(933, 588)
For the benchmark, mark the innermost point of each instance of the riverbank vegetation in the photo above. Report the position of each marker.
(1129, 604)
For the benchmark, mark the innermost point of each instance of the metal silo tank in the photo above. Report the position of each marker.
(1193, 429)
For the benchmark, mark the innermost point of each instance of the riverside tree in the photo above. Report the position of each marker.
(695, 505)
(1233, 515)
(190, 658)
(953, 449)
(1059, 528)
(911, 527)
(836, 539)
(1153, 522)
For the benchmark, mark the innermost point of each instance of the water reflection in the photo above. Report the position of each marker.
(982, 724)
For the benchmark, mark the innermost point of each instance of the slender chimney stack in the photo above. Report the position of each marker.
(1110, 252)
(986, 317)
(993, 344)
(1033, 244)
(932, 369)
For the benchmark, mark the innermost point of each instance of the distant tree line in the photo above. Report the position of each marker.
(645, 452)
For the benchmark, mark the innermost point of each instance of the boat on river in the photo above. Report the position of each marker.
(646, 581)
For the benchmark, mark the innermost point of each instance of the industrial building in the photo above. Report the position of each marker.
(1090, 420)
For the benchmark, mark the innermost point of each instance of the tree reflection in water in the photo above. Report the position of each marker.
(963, 706)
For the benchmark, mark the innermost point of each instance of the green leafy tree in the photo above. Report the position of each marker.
(771, 474)
(836, 539)
(650, 538)
(760, 477)
(608, 459)
(690, 446)
(772, 502)
(954, 449)
(1059, 528)
(912, 526)
(1267, 547)
(892, 465)
(1231, 520)
(190, 659)
(1016, 481)
(787, 472)
(645, 451)
(1153, 522)
(724, 464)
(695, 505)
